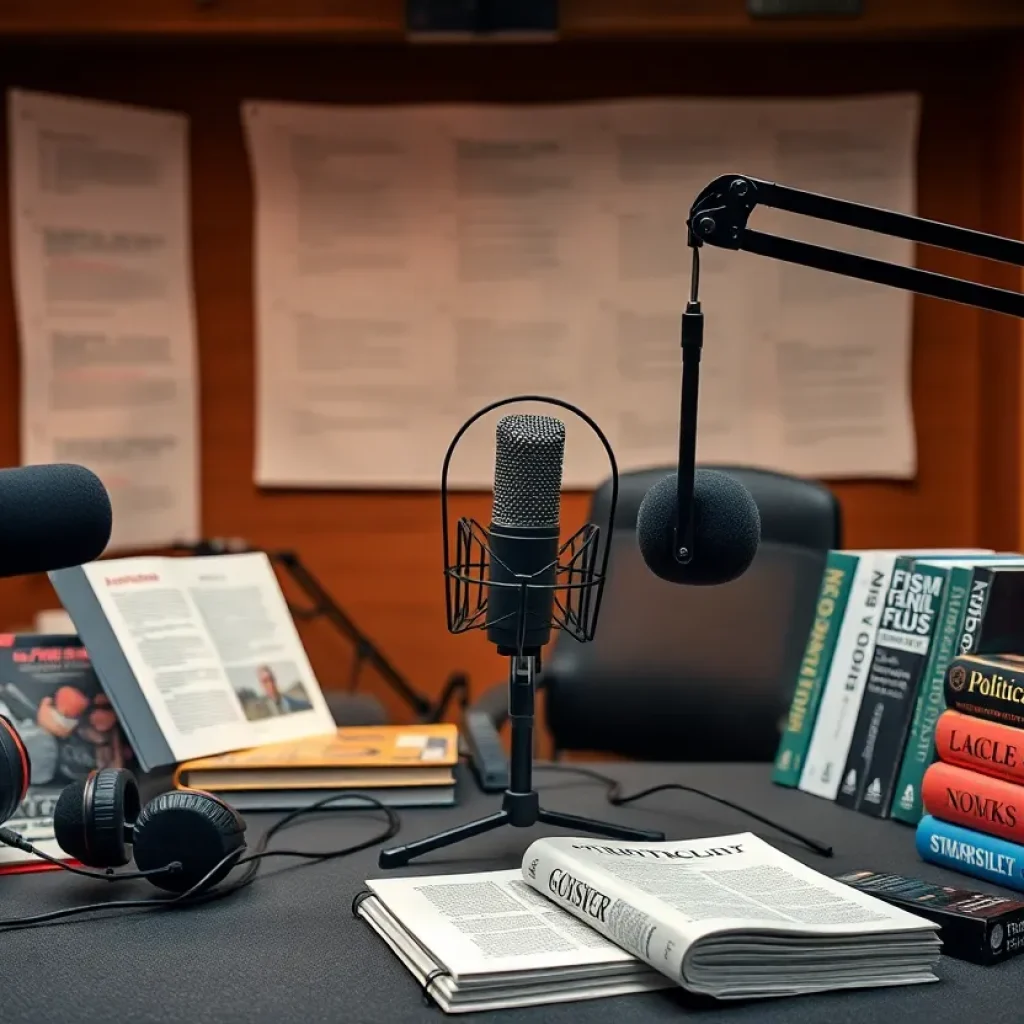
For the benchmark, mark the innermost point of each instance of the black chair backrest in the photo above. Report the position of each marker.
(695, 673)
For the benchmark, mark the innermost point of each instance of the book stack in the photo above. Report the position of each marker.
(871, 685)
(398, 765)
(973, 794)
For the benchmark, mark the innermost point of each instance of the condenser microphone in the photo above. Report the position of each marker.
(51, 517)
(523, 536)
(696, 526)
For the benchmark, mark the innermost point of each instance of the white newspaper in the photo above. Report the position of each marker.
(729, 917)
(198, 655)
(415, 263)
(101, 254)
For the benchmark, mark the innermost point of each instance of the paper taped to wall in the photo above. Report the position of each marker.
(103, 291)
(413, 263)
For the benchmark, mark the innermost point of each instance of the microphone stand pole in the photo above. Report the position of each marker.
(520, 804)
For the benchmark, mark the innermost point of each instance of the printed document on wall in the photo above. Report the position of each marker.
(416, 263)
(102, 274)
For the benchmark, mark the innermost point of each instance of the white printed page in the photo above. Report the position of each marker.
(415, 263)
(101, 254)
(491, 923)
(213, 649)
(841, 347)
(694, 888)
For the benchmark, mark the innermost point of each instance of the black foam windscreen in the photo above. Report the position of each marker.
(529, 451)
(53, 516)
(726, 529)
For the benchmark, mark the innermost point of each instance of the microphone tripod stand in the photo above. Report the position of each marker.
(482, 592)
(520, 804)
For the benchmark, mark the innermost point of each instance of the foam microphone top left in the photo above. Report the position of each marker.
(51, 517)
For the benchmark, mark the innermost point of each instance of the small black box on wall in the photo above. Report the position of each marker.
(481, 17)
(804, 8)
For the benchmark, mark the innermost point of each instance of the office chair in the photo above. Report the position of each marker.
(682, 673)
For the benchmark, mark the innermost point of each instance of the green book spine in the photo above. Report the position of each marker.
(821, 643)
(931, 701)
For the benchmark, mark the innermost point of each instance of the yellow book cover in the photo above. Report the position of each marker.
(356, 756)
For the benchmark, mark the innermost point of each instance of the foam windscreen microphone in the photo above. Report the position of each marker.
(697, 526)
(51, 517)
(726, 529)
(523, 536)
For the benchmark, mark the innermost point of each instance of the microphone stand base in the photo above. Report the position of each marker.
(520, 810)
(520, 805)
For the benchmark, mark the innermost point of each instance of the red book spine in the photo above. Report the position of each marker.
(980, 746)
(975, 801)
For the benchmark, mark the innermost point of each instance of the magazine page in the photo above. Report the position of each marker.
(658, 899)
(50, 693)
(212, 648)
(491, 923)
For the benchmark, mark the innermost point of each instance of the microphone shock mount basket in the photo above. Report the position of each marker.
(576, 594)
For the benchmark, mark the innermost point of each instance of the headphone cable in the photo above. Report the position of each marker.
(200, 892)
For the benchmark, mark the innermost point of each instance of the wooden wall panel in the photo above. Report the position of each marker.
(590, 19)
(380, 553)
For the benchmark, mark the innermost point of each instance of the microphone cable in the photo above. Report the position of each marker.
(199, 893)
(614, 795)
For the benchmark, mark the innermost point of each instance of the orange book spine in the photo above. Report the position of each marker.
(980, 746)
(975, 801)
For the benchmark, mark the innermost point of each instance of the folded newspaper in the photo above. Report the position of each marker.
(729, 917)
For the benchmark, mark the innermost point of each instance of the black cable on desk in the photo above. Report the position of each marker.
(616, 798)
(198, 893)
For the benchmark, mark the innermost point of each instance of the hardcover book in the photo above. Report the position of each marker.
(989, 687)
(976, 926)
(995, 611)
(981, 746)
(907, 624)
(973, 853)
(931, 700)
(847, 675)
(836, 583)
(399, 765)
(977, 802)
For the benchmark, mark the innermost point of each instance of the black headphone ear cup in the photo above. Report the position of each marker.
(15, 770)
(191, 827)
(90, 817)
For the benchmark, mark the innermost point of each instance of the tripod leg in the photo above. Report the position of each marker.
(399, 856)
(574, 822)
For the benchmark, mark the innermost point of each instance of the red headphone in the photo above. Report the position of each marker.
(97, 819)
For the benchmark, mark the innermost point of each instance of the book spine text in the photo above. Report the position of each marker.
(977, 802)
(981, 746)
(971, 853)
(986, 689)
(931, 701)
(833, 596)
(907, 624)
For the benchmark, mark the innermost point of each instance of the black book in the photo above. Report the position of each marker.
(994, 621)
(907, 625)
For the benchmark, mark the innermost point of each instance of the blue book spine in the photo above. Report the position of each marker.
(971, 853)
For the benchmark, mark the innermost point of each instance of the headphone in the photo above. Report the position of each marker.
(178, 840)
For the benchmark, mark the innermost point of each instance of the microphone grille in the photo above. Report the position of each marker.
(528, 470)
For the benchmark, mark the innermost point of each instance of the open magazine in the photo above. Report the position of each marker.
(198, 655)
(729, 917)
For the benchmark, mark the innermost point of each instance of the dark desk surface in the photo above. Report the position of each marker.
(288, 949)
